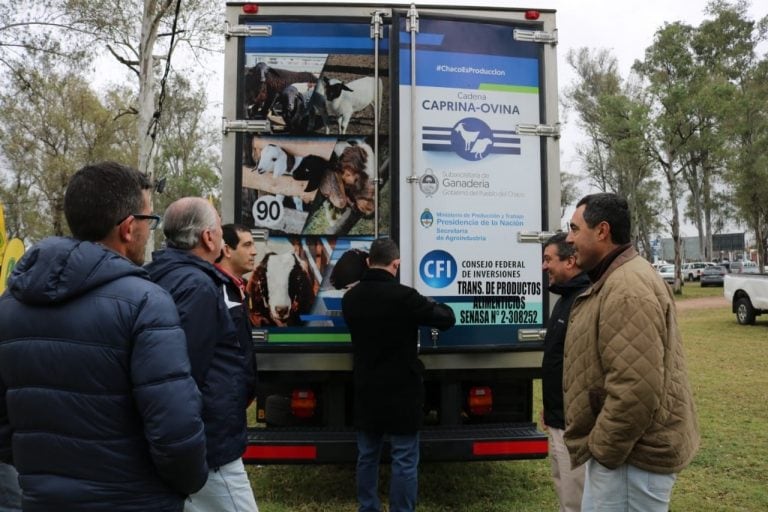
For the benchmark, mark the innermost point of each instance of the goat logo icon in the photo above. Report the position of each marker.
(471, 139)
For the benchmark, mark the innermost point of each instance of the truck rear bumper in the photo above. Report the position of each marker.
(506, 441)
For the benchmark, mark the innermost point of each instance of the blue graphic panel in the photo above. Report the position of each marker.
(349, 38)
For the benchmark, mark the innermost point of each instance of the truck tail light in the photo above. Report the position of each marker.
(480, 400)
(303, 403)
(532, 15)
(251, 8)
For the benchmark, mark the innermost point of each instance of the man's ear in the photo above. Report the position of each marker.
(206, 238)
(226, 250)
(604, 231)
(125, 230)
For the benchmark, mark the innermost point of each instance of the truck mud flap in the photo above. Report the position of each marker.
(507, 441)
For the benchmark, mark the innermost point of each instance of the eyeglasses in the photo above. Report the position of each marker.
(154, 220)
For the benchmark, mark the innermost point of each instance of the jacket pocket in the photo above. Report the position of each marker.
(597, 400)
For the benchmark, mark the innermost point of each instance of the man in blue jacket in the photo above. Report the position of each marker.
(567, 280)
(98, 410)
(220, 364)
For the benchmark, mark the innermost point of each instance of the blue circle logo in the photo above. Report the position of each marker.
(437, 269)
(471, 139)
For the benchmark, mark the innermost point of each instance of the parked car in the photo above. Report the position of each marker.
(713, 276)
(692, 271)
(748, 295)
(744, 267)
(667, 273)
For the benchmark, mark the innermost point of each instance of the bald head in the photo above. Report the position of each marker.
(192, 224)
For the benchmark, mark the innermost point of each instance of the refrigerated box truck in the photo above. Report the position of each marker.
(435, 126)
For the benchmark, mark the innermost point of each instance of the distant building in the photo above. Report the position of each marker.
(728, 246)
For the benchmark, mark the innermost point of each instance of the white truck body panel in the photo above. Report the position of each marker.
(465, 145)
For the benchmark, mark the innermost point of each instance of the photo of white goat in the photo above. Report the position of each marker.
(468, 136)
(343, 100)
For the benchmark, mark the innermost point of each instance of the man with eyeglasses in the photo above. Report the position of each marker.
(98, 408)
(194, 240)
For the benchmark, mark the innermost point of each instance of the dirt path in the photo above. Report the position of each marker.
(702, 303)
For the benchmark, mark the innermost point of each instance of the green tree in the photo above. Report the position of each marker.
(669, 69)
(748, 166)
(51, 123)
(615, 118)
(136, 32)
(569, 191)
(189, 158)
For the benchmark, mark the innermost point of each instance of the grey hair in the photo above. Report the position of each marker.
(186, 219)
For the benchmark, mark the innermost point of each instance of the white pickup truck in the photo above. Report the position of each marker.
(748, 295)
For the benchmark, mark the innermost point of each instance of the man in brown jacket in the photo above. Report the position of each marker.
(629, 409)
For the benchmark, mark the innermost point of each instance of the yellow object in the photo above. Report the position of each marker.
(3, 236)
(13, 253)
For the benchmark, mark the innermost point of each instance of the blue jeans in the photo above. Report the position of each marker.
(404, 484)
(625, 489)
(10, 493)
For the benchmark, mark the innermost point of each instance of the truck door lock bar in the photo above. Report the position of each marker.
(535, 36)
(247, 30)
(540, 130)
(534, 237)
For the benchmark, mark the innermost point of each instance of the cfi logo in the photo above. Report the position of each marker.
(437, 269)
(471, 139)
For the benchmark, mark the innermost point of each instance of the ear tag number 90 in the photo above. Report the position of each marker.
(268, 212)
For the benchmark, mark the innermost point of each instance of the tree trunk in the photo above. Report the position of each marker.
(146, 107)
(673, 198)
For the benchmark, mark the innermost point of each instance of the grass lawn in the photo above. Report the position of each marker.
(726, 364)
(693, 290)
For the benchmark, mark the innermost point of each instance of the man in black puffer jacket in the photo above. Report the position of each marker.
(567, 280)
(98, 410)
(220, 362)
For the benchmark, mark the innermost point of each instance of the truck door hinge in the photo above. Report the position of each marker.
(535, 36)
(540, 130)
(247, 30)
(377, 26)
(412, 22)
(524, 335)
(534, 237)
(247, 126)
